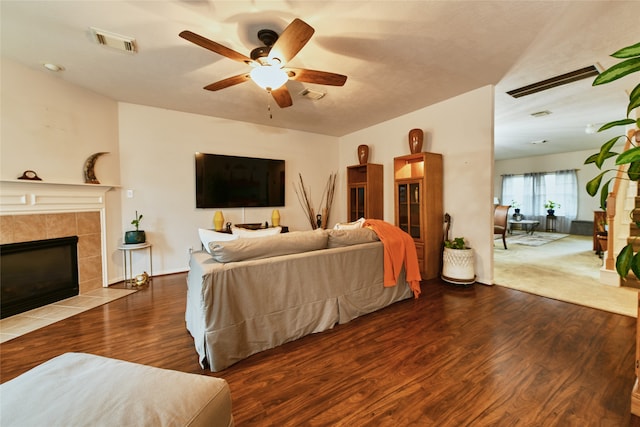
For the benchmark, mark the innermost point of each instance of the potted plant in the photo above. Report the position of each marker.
(626, 260)
(136, 236)
(458, 264)
(516, 207)
(550, 206)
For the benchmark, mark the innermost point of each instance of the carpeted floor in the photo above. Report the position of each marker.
(565, 269)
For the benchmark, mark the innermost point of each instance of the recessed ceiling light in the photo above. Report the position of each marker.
(53, 67)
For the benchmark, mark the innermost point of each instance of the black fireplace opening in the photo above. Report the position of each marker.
(34, 274)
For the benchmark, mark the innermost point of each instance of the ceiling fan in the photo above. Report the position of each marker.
(268, 62)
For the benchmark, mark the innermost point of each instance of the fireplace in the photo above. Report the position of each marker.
(37, 273)
(39, 210)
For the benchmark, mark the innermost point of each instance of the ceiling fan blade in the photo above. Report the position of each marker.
(314, 76)
(292, 39)
(231, 81)
(282, 97)
(214, 47)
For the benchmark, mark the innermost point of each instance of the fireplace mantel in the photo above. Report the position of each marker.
(24, 196)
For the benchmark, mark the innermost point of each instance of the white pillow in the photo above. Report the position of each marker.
(207, 236)
(349, 225)
(245, 232)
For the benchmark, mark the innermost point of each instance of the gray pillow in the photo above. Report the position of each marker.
(356, 236)
(244, 249)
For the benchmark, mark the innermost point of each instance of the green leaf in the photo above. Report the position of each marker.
(605, 151)
(622, 122)
(623, 261)
(591, 159)
(635, 264)
(634, 99)
(603, 196)
(617, 71)
(627, 52)
(634, 171)
(594, 184)
(629, 156)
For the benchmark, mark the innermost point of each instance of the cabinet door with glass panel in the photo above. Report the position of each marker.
(357, 202)
(364, 191)
(409, 220)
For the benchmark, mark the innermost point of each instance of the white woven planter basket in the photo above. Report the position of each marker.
(458, 266)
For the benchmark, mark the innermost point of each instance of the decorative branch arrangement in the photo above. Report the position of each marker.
(320, 220)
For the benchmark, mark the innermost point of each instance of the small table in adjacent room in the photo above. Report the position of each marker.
(551, 223)
(528, 225)
(127, 249)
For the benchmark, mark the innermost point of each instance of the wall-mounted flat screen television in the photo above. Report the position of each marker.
(238, 182)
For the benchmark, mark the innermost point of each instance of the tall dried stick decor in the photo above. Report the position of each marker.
(307, 204)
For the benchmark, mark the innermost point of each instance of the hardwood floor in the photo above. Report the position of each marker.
(480, 356)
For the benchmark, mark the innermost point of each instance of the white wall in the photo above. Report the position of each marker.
(52, 127)
(157, 150)
(461, 129)
(552, 163)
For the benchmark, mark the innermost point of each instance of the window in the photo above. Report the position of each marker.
(531, 191)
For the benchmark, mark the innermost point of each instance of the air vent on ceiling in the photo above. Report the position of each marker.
(583, 73)
(541, 113)
(115, 41)
(312, 94)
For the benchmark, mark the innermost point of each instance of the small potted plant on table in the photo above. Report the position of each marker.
(550, 206)
(138, 236)
(516, 207)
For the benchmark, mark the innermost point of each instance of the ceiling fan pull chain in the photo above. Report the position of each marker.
(269, 105)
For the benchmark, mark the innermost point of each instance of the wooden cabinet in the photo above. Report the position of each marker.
(418, 206)
(364, 192)
(599, 219)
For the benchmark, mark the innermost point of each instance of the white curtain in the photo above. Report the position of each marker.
(532, 191)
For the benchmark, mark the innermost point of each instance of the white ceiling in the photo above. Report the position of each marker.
(399, 56)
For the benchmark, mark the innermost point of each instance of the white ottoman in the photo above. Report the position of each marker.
(77, 389)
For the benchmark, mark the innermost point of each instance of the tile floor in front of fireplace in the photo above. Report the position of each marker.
(20, 324)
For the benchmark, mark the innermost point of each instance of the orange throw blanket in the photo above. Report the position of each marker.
(399, 249)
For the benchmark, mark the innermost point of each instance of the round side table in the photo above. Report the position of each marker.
(127, 250)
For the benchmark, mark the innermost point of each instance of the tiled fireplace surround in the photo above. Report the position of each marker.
(35, 211)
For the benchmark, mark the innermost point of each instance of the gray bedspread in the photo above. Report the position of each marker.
(238, 309)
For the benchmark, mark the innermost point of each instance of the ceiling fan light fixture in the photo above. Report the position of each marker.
(269, 77)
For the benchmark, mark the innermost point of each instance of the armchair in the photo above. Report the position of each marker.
(500, 218)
